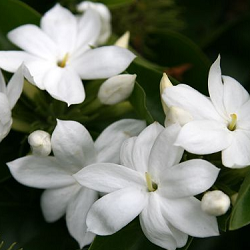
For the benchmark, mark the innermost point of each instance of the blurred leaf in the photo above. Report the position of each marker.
(240, 215)
(115, 3)
(14, 13)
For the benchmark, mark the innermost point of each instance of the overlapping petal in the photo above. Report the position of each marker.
(188, 178)
(72, 145)
(109, 177)
(3, 88)
(126, 153)
(115, 210)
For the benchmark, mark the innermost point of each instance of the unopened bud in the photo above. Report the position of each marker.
(123, 41)
(40, 143)
(164, 83)
(215, 203)
(116, 89)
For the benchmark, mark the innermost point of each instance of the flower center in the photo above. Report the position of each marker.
(150, 184)
(62, 63)
(232, 124)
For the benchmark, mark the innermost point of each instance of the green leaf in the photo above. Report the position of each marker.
(115, 3)
(240, 215)
(14, 13)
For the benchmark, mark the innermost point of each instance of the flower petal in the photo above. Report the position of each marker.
(72, 145)
(12, 60)
(164, 154)
(33, 40)
(109, 177)
(109, 143)
(187, 216)
(243, 117)
(186, 98)
(65, 85)
(143, 146)
(155, 226)
(3, 88)
(237, 155)
(234, 95)
(55, 201)
(126, 153)
(115, 210)
(204, 137)
(40, 172)
(76, 215)
(15, 87)
(187, 179)
(102, 62)
(61, 26)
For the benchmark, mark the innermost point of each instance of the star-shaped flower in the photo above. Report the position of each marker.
(219, 123)
(58, 55)
(73, 150)
(153, 184)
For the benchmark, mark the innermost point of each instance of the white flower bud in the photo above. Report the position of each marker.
(40, 143)
(105, 17)
(116, 89)
(123, 41)
(215, 203)
(177, 115)
(164, 83)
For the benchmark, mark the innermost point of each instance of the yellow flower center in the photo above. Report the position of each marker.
(150, 184)
(232, 124)
(62, 63)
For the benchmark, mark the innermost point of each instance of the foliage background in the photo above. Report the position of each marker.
(182, 38)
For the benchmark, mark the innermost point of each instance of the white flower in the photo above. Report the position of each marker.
(8, 98)
(73, 149)
(40, 143)
(220, 123)
(150, 183)
(116, 89)
(105, 17)
(59, 55)
(215, 202)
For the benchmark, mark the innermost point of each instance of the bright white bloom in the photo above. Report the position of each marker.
(150, 183)
(8, 98)
(220, 123)
(59, 53)
(73, 149)
(123, 41)
(105, 17)
(215, 203)
(40, 143)
(116, 89)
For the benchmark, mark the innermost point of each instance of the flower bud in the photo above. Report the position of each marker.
(116, 89)
(164, 83)
(215, 203)
(123, 41)
(40, 143)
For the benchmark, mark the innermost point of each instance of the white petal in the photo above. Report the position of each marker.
(109, 142)
(243, 117)
(76, 215)
(164, 154)
(61, 26)
(116, 89)
(237, 155)
(187, 216)
(103, 62)
(89, 26)
(72, 145)
(187, 179)
(126, 153)
(2, 83)
(15, 86)
(33, 40)
(5, 111)
(216, 88)
(40, 172)
(12, 60)
(234, 95)
(115, 210)
(55, 201)
(186, 98)
(204, 137)
(155, 226)
(108, 177)
(65, 85)
(143, 146)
